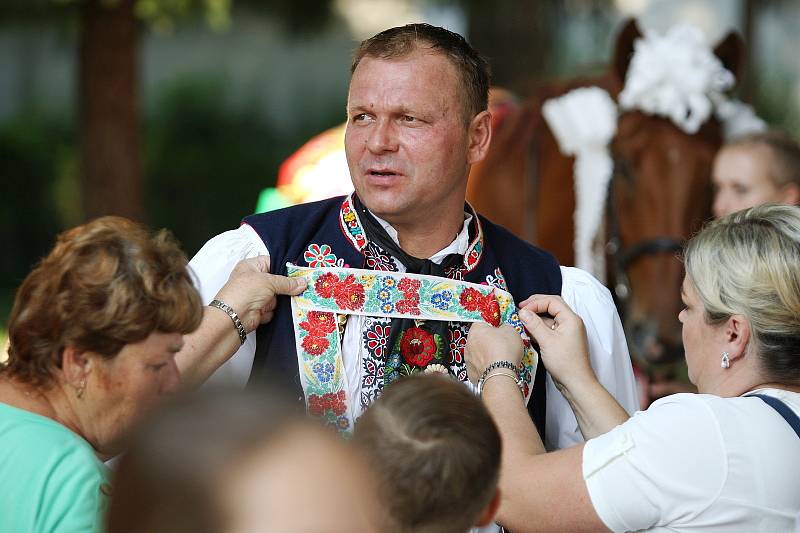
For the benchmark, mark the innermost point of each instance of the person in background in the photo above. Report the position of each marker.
(104, 327)
(756, 169)
(239, 462)
(432, 442)
(721, 460)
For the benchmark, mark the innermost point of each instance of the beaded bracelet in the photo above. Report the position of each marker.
(500, 364)
(488, 374)
(237, 323)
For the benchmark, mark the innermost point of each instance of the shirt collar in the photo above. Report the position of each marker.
(458, 246)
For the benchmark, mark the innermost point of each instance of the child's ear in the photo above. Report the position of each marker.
(490, 511)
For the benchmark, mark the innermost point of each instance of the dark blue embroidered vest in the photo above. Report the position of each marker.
(327, 233)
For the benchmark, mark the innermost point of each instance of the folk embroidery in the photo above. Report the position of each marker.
(382, 296)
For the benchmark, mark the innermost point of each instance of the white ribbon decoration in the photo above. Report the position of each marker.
(737, 118)
(676, 76)
(583, 122)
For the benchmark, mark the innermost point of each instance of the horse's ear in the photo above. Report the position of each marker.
(731, 52)
(623, 51)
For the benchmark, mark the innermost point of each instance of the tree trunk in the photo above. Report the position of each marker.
(108, 89)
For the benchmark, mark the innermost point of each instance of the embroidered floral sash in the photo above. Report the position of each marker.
(333, 292)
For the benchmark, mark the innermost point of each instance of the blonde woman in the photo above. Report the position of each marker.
(725, 459)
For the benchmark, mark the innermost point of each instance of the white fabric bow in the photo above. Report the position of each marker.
(676, 76)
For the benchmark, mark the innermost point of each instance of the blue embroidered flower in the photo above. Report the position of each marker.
(387, 307)
(323, 371)
(389, 281)
(441, 300)
(384, 295)
(391, 370)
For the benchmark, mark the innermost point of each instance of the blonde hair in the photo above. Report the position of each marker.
(105, 284)
(748, 263)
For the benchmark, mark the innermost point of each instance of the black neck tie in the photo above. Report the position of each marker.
(377, 234)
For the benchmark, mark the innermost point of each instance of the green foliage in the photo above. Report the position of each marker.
(206, 159)
(159, 14)
(37, 154)
(162, 14)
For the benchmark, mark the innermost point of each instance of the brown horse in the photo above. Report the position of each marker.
(659, 195)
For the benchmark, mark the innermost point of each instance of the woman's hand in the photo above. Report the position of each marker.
(562, 341)
(251, 291)
(487, 344)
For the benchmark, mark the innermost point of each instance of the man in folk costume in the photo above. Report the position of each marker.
(417, 120)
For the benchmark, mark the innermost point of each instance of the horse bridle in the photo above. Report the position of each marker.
(619, 257)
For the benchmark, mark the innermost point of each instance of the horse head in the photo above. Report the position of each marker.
(659, 195)
(656, 195)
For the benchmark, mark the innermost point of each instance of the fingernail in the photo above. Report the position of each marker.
(524, 314)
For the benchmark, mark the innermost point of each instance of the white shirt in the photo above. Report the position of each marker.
(698, 462)
(608, 350)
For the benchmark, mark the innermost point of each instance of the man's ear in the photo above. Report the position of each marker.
(490, 511)
(75, 366)
(480, 136)
(736, 336)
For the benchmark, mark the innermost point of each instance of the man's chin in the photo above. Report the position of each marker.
(384, 204)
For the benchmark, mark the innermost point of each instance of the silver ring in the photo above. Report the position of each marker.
(553, 325)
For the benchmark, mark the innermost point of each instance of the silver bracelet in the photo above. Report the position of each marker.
(515, 378)
(500, 364)
(237, 323)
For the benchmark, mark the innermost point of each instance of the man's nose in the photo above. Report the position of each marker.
(382, 138)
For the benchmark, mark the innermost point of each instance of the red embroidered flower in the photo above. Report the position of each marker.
(326, 284)
(376, 339)
(318, 405)
(349, 294)
(418, 347)
(408, 285)
(319, 323)
(490, 310)
(408, 306)
(315, 345)
(470, 299)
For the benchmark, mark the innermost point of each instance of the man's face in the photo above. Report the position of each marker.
(407, 142)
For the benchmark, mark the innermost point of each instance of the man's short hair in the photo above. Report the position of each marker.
(403, 40)
(436, 452)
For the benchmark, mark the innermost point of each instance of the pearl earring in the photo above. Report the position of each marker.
(726, 361)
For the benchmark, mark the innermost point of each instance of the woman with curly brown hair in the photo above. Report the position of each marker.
(94, 334)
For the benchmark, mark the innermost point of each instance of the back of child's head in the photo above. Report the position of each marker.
(436, 452)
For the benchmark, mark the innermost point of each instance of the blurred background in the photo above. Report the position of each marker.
(179, 112)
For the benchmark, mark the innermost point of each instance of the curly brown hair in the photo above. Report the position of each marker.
(105, 284)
